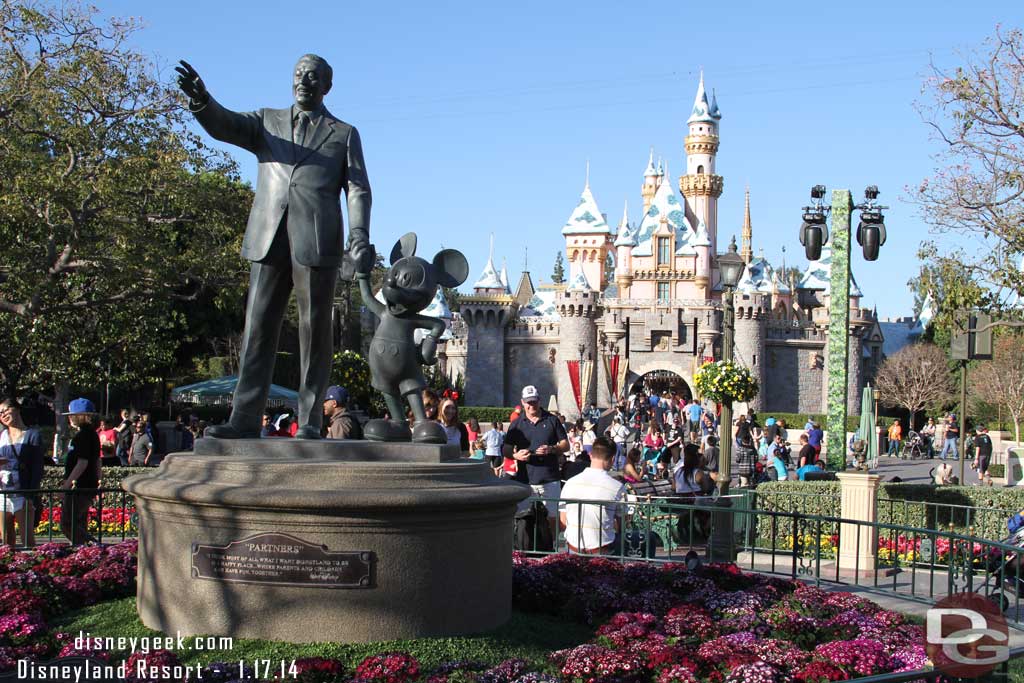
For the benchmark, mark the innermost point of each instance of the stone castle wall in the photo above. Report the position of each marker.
(789, 357)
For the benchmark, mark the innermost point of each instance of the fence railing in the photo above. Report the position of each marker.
(76, 515)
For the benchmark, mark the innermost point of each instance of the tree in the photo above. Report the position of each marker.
(914, 378)
(558, 274)
(977, 191)
(115, 212)
(1000, 381)
(952, 291)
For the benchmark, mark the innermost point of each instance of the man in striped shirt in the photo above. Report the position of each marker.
(592, 528)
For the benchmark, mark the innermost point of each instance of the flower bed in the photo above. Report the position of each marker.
(39, 585)
(114, 521)
(654, 624)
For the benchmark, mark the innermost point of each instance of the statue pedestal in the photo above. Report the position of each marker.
(307, 541)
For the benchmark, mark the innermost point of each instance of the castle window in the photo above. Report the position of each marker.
(663, 292)
(700, 169)
(664, 251)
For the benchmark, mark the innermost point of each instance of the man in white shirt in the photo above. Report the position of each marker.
(592, 528)
(619, 434)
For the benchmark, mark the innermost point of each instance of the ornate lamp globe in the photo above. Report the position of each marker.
(730, 265)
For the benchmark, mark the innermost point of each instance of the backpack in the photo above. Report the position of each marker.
(532, 525)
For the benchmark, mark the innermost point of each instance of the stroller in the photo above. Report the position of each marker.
(914, 447)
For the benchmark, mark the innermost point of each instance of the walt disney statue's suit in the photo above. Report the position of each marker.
(294, 235)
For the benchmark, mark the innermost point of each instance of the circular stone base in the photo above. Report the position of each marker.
(343, 544)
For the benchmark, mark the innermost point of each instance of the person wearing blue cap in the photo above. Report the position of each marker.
(81, 472)
(340, 423)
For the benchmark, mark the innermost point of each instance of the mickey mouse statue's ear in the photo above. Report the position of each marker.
(404, 247)
(451, 268)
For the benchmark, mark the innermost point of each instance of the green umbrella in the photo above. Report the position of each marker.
(867, 430)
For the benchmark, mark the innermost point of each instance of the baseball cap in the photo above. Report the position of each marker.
(81, 406)
(530, 393)
(336, 393)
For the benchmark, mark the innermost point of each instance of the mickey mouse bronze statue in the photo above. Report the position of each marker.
(396, 359)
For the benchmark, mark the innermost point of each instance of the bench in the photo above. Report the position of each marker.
(664, 522)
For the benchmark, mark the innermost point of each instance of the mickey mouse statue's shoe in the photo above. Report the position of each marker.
(386, 430)
(428, 431)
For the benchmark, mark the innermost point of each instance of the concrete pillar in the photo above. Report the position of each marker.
(858, 544)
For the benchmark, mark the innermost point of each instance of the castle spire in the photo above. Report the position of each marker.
(624, 223)
(748, 234)
(586, 184)
(701, 107)
(650, 171)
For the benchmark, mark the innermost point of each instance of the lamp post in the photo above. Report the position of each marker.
(813, 234)
(730, 265)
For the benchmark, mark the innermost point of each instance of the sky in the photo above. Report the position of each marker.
(479, 118)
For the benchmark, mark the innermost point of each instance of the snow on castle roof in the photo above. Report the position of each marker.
(702, 110)
(665, 203)
(757, 277)
(586, 218)
(579, 283)
(541, 305)
(489, 279)
(817, 276)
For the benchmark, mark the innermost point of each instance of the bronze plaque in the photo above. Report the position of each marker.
(283, 560)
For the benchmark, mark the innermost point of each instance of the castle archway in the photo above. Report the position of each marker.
(659, 381)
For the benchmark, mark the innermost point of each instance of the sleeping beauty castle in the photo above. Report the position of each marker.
(643, 304)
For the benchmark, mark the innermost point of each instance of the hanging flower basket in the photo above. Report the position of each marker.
(725, 382)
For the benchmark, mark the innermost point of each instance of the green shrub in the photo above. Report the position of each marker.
(978, 510)
(485, 414)
(997, 471)
(112, 476)
(798, 420)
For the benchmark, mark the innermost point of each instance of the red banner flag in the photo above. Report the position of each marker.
(574, 378)
(613, 370)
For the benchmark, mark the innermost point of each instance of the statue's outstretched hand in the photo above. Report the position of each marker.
(363, 256)
(191, 84)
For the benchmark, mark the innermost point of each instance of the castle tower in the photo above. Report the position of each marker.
(702, 273)
(650, 185)
(625, 240)
(486, 313)
(747, 252)
(751, 313)
(701, 186)
(579, 311)
(587, 240)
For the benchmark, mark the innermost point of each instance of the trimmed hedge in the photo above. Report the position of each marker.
(798, 420)
(485, 414)
(112, 476)
(912, 505)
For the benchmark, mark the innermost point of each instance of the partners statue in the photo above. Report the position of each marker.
(306, 158)
(396, 359)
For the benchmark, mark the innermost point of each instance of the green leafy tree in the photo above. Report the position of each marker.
(977, 190)
(119, 215)
(951, 288)
(558, 274)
